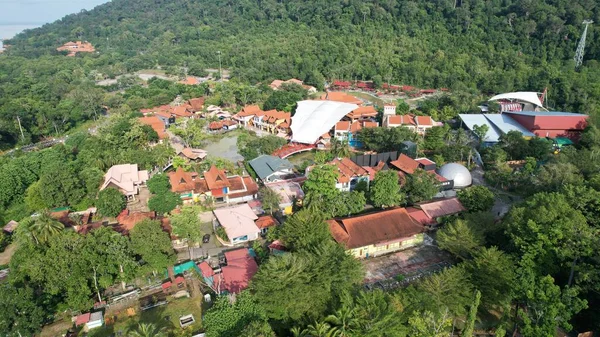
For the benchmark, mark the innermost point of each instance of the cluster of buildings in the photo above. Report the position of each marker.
(524, 112)
(386, 88)
(77, 47)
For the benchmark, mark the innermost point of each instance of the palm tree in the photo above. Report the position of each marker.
(321, 329)
(344, 320)
(297, 332)
(147, 330)
(42, 227)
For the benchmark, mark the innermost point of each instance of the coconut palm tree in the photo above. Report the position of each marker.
(344, 320)
(41, 228)
(147, 330)
(321, 329)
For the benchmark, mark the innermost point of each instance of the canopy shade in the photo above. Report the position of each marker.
(524, 96)
(314, 118)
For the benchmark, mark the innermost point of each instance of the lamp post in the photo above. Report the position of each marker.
(220, 71)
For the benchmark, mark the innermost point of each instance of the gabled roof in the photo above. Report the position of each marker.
(266, 165)
(347, 169)
(237, 220)
(420, 216)
(10, 226)
(266, 221)
(182, 181)
(196, 103)
(250, 110)
(363, 112)
(125, 177)
(206, 269)
(374, 228)
(424, 120)
(405, 164)
(182, 111)
(215, 178)
(444, 207)
(240, 268)
(193, 154)
(339, 96)
(342, 126)
(156, 124)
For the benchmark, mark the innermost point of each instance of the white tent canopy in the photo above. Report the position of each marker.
(524, 96)
(314, 118)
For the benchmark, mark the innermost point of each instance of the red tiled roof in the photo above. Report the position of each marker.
(215, 125)
(127, 220)
(156, 124)
(190, 81)
(215, 178)
(277, 245)
(347, 169)
(251, 188)
(266, 221)
(167, 285)
(82, 319)
(363, 112)
(240, 268)
(250, 110)
(196, 103)
(339, 96)
(405, 164)
(182, 181)
(182, 111)
(206, 270)
(179, 279)
(424, 120)
(420, 216)
(369, 125)
(384, 226)
(342, 125)
(444, 207)
(338, 83)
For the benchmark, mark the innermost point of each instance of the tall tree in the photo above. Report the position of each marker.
(320, 185)
(472, 316)
(110, 202)
(476, 198)
(152, 244)
(186, 225)
(420, 186)
(385, 191)
(269, 198)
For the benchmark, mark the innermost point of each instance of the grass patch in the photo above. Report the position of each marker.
(166, 316)
(373, 99)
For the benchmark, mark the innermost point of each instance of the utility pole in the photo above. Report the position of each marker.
(220, 71)
(581, 46)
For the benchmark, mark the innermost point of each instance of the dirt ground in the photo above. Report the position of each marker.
(7, 254)
(408, 263)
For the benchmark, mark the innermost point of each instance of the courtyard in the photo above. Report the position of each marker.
(403, 267)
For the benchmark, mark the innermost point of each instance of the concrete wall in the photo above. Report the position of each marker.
(372, 250)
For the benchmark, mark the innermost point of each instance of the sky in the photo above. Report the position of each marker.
(16, 15)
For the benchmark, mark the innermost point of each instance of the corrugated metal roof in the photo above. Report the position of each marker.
(506, 124)
(492, 135)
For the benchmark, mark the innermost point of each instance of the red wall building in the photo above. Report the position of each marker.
(551, 123)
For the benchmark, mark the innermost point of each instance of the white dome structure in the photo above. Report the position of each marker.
(458, 173)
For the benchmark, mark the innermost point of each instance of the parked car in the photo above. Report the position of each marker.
(206, 238)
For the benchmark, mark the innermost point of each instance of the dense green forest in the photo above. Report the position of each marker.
(468, 46)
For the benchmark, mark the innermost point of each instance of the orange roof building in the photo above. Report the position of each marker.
(215, 183)
(362, 113)
(77, 47)
(418, 124)
(339, 96)
(156, 124)
(377, 233)
(349, 174)
(190, 80)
